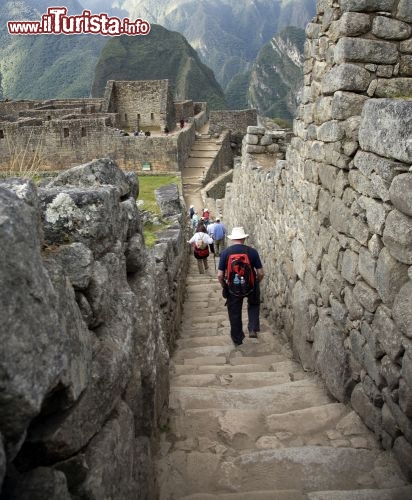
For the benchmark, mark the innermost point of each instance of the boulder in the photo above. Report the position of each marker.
(32, 356)
(95, 174)
(386, 128)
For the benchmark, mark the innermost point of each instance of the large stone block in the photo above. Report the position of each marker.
(368, 163)
(347, 104)
(390, 372)
(402, 309)
(60, 436)
(331, 358)
(302, 324)
(91, 216)
(402, 421)
(404, 11)
(77, 339)
(94, 174)
(376, 213)
(366, 296)
(366, 5)
(403, 453)
(350, 49)
(397, 236)
(112, 478)
(355, 310)
(31, 357)
(391, 29)
(405, 398)
(369, 413)
(387, 334)
(339, 216)
(394, 88)
(346, 76)
(405, 66)
(390, 276)
(367, 267)
(38, 484)
(351, 24)
(400, 193)
(330, 131)
(77, 261)
(350, 266)
(386, 128)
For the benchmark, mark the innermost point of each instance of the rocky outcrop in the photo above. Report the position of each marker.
(90, 315)
(333, 221)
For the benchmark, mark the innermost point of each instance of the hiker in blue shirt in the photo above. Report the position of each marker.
(219, 233)
(234, 303)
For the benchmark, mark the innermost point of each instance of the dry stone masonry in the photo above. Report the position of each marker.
(89, 317)
(258, 140)
(333, 222)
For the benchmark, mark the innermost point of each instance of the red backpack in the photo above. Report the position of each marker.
(240, 276)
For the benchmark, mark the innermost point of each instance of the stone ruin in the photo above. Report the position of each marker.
(333, 221)
(89, 315)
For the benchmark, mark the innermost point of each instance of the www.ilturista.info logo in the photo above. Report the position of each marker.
(57, 22)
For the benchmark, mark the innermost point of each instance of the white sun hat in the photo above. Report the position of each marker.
(238, 233)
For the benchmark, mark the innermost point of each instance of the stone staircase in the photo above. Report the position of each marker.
(248, 423)
(202, 154)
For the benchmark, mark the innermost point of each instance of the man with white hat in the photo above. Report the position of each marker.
(235, 302)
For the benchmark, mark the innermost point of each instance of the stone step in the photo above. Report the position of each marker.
(400, 493)
(306, 469)
(276, 398)
(196, 163)
(251, 495)
(233, 380)
(208, 153)
(207, 350)
(217, 369)
(198, 341)
(326, 425)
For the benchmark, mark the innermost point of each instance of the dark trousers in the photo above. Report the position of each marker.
(234, 309)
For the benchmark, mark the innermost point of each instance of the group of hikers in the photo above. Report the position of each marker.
(239, 272)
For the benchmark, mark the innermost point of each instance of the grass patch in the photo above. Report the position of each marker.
(147, 186)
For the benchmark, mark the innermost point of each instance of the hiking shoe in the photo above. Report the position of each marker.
(253, 335)
(236, 343)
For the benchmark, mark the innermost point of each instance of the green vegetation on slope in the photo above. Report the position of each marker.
(45, 66)
(277, 76)
(162, 54)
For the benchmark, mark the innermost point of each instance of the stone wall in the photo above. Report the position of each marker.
(333, 222)
(258, 140)
(89, 317)
(235, 121)
(58, 144)
(223, 160)
(184, 109)
(141, 103)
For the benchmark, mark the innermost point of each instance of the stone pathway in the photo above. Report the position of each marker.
(247, 423)
(201, 156)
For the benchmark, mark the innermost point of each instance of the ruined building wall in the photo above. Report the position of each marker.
(235, 121)
(333, 222)
(59, 144)
(140, 104)
(88, 318)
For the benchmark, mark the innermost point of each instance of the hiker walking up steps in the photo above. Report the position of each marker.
(239, 273)
(200, 242)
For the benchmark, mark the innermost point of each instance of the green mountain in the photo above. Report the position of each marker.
(162, 54)
(44, 66)
(276, 77)
(227, 34)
